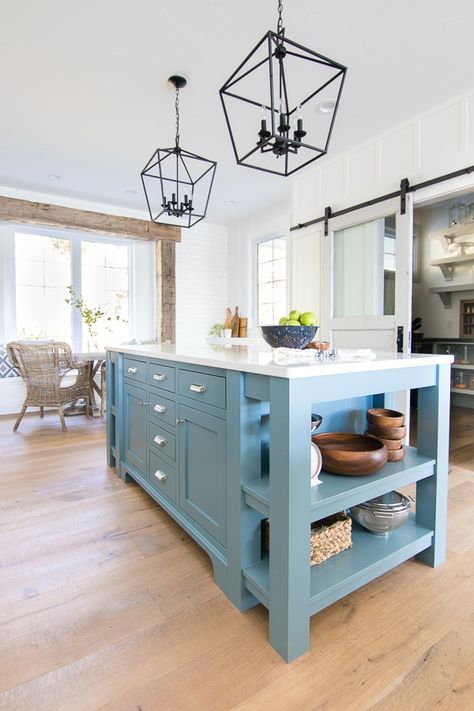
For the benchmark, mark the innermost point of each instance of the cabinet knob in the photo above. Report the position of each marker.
(161, 476)
(179, 422)
(159, 408)
(132, 370)
(160, 441)
(197, 388)
(159, 376)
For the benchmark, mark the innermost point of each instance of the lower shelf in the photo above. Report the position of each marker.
(369, 557)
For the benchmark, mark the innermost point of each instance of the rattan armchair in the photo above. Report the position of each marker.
(43, 367)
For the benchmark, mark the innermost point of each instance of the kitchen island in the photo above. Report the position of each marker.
(219, 436)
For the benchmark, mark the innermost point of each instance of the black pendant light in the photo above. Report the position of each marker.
(177, 183)
(280, 104)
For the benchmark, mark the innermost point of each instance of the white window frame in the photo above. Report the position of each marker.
(8, 326)
(255, 243)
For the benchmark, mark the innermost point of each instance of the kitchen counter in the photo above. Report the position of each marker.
(259, 359)
(220, 438)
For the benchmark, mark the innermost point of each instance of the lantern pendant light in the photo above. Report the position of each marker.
(177, 183)
(280, 104)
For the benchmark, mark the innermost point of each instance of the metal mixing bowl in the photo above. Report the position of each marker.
(383, 514)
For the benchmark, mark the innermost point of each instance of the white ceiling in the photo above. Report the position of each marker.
(84, 92)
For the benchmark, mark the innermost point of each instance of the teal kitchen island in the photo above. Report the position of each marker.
(219, 437)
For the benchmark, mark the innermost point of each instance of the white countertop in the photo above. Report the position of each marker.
(259, 359)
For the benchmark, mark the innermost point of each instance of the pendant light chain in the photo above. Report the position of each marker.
(280, 20)
(176, 105)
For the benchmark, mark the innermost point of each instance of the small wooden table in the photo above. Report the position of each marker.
(96, 362)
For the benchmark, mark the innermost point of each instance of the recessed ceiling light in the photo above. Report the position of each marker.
(131, 192)
(231, 202)
(327, 107)
(52, 176)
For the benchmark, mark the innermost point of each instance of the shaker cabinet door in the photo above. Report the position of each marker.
(134, 427)
(202, 470)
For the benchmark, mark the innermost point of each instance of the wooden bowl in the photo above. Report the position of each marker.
(384, 417)
(395, 455)
(389, 443)
(387, 432)
(353, 454)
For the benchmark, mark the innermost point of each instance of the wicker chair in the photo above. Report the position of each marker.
(43, 367)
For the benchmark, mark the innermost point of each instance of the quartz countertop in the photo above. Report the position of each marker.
(259, 359)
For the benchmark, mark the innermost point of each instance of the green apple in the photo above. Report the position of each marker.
(308, 318)
(293, 322)
(294, 315)
(283, 321)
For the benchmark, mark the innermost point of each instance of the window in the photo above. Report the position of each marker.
(271, 280)
(42, 273)
(39, 265)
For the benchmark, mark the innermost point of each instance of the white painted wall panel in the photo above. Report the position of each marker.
(397, 155)
(362, 170)
(333, 184)
(201, 281)
(441, 140)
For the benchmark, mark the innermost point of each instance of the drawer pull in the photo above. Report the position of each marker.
(143, 404)
(160, 441)
(179, 422)
(133, 371)
(197, 388)
(159, 408)
(161, 476)
(159, 376)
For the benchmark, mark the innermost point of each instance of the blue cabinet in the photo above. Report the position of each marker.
(134, 445)
(192, 437)
(202, 470)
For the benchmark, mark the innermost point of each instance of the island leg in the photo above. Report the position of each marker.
(433, 441)
(290, 468)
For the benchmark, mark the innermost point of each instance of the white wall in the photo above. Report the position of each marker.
(274, 221)
(429, 145)
(201, 281)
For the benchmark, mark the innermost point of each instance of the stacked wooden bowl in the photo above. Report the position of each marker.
(389, 427)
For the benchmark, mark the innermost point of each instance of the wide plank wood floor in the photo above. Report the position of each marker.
(107, 604)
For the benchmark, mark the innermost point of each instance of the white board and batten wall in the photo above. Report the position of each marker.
(435, 143)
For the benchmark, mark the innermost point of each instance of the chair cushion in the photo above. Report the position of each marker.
(6, 367)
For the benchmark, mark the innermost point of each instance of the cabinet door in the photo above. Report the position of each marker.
(202, 470)
(134, 427)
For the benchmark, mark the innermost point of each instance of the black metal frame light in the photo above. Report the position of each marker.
(277, 62)
(177, 183)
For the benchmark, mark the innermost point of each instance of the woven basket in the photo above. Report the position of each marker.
(329, 536)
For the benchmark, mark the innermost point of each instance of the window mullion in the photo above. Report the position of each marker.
(76, 282)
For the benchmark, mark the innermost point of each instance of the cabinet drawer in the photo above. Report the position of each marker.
(162, 475)
(163, 440)
(162, 409)
(201, 387)
(161, 376)
(134, 369)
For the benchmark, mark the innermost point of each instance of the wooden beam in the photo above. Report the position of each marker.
(166, 291)
(26, 212)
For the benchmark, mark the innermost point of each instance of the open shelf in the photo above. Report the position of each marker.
(339, 492)
(447, 264)
(462, 391)
(444, 292)
(369, 557)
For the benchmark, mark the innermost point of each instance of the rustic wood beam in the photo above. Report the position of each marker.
(25, 212)
(166, 291)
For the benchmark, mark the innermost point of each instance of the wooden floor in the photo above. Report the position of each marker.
(106, 604)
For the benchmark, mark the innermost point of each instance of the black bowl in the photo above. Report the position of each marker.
(288, 336)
